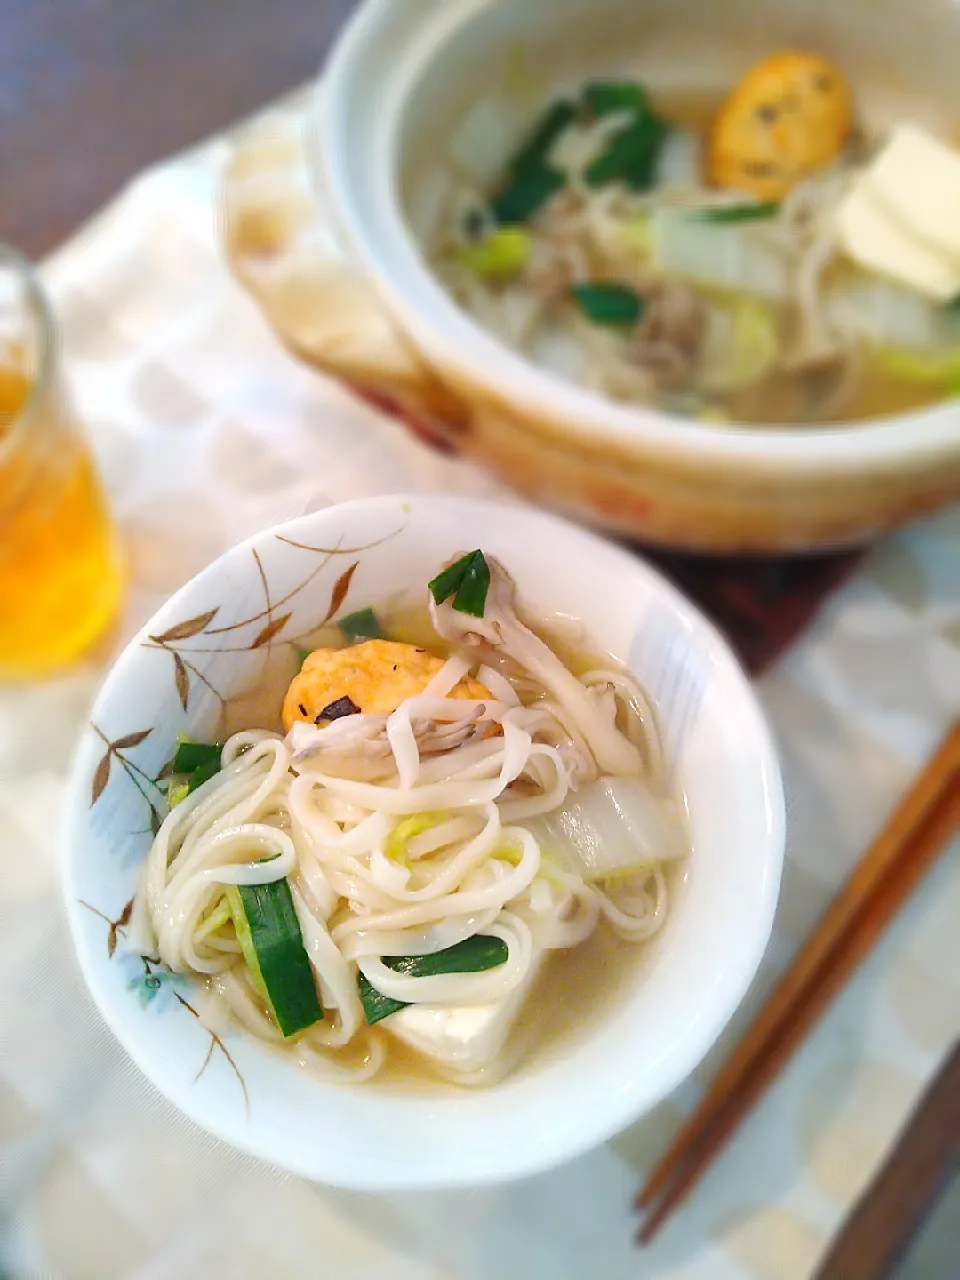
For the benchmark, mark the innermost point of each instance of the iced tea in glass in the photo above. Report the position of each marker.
(60, 577)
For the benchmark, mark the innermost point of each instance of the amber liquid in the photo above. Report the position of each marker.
(59, 567)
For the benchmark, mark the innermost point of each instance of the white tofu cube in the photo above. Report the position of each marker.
(873, 240)
(902, 217)
(465, 1037)
(919, 178)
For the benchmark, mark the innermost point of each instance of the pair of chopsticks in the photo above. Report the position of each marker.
(878, 886)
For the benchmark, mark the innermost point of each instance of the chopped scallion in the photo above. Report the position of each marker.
(472, 596)
(376, 1007)
(176, 792)
(269, 935)
(751, 212)
(631, 156)
(501, 254)
(526, 192)
(362, 625)
(534, 150)
(193, 764)
(448, 580)
(531, 181)
(469, 577)
(195, 755)
(603, 97)
(611, 304)
(473, 955)
(203, 773)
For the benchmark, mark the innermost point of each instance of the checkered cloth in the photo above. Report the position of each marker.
(206, 430)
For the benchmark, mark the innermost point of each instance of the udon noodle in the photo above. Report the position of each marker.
(511, 825)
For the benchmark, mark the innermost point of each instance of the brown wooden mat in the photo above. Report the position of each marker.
(761, 604)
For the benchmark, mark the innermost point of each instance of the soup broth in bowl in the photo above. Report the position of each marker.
(469, 874)
(397, 855)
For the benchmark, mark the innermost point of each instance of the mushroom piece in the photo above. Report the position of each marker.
(501, 628)
(359, 746)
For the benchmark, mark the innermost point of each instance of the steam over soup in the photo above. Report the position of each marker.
(762, 257)
(455, 814)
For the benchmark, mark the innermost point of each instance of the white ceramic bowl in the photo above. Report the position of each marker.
(398, 82)
(230, 631)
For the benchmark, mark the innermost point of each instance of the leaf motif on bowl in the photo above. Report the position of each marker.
(116, 750)
(186, 630)
(271, 630)
(193, 646)
(340, 589)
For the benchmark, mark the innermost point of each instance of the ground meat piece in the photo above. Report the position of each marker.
(668, 339)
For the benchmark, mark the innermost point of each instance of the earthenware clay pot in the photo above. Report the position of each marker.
(317, 226)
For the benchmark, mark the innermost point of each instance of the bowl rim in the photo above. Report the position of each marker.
(521, 1162)
(360, 179)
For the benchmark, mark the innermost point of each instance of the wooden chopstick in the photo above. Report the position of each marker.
(939, 825)
(869, 899)
(871, 869)
(907, 1188)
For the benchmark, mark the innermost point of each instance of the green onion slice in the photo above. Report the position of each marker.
(196, 755)
(526, 193)
(751, 212)
(604, 97)
(362, 625)
(531, 181)
(500, 255)
(203, 773)
(269, 935)
(534, 150)
(631, 155)
(611, 304)
(473, 955)
(469, 578)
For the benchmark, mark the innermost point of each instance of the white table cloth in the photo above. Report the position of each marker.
(205, 430)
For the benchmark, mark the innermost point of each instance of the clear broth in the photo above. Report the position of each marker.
(577, 988)
(806, 398)
(815, 397)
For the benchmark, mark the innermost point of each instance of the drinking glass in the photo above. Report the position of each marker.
(60, 576)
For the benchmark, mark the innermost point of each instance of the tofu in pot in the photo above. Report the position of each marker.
(902, 217)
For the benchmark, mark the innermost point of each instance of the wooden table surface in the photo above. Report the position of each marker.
(92, 91)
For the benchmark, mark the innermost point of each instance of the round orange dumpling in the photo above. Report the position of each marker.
(376, 676)
(791, 114)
